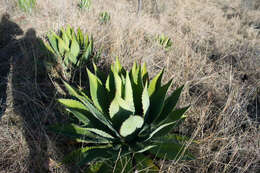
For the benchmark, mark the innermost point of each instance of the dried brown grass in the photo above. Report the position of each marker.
(215, 53)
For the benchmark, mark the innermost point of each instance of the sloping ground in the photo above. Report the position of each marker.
(215, 53)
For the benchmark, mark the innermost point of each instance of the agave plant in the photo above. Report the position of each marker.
(104, 17)
(69, 49)
(84, 4)
(26, 5)
(124, 119)
(164, 41)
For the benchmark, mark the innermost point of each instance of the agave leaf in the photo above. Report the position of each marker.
(76, 108)
(70, 103)
(89, 50)
(130, 125)
(80, 115)
(53, 42)
(128, 91)
(173, 123)
(145, 164)
(49, 48)
(118, 84)
(119, 111)
(98, 115)
(157, 102)
(170, 151)
(74, 51)
(86, 40)
(170, 104)
(110, 86)
(145, 101)
(80, 37)
(98, 93)
(155, 83)
(100, 133)
(99, 73)
(69, 32)
(88, 154)
(89, 120)
(173, 138)
(145, 76)
(144, 149)
(137, 86)
(72, 91)
(96, 153)
(65, 38)
(117, 66)
(159, 129)
(78, 133)
(176, 114)
(144, 132)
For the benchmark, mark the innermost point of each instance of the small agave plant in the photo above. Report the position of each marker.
(164, 41)
(70, 50)
(104, 17)
(27, 5)
(125, 121)
(84, 4)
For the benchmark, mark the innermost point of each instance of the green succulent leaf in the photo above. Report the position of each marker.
(172, 138)
(110, 86)
(119, 111)
(50, 50)
(167, 129)
(145, 101)
(89, 51)
(157, 131)
(157, 102)
(169, 151)
(98, 115)
(137, 86)
(72, 91)
(176, 114)
(130, 125)
(78, 133)
(145, 76)
(70, 103)
(65, 39)
(118, 84)
(53, 42)
(98, 93)
(145, 148)
(95, 154)
(100, 133)
(145, 164)
(80, 37)
(117, 66)
(88, 154)
(69, 31)
(74, 51)
(155, 83)
(129, 91)
(170, 104)
(81, 115)
(77, 109)
(99, 73)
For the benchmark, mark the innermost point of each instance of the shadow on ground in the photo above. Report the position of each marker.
(26, 90)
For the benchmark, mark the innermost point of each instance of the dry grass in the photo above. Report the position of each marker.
(215, 53)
